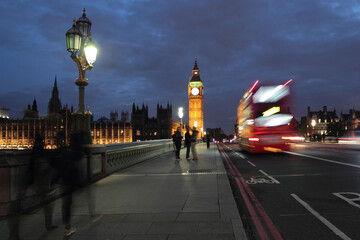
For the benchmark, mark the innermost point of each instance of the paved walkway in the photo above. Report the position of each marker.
(158, 199)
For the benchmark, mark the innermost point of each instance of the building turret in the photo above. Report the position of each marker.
(54, 106)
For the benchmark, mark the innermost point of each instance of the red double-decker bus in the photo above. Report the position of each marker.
(264, 121)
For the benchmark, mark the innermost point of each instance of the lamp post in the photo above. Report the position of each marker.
(313, 123)
(83, 53)
(201, 129)
(180, 114)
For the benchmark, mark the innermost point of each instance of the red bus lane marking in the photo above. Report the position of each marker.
(250, 208)
(273, 230)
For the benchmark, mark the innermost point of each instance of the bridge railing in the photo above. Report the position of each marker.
(98, 162)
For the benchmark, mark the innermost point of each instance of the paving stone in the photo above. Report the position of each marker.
(202, 237)
(151, 217)
(198, 217)
(174, 228)
(120, 228)
(215, 227)
(145, 237)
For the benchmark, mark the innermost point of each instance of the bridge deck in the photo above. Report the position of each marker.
(157, 199)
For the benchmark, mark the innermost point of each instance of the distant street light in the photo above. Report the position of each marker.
(313, 123)
(201, 130)
(195, 124)
(83, 53)
(181, 114)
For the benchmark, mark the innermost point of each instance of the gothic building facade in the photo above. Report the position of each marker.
(55, 128)
(350, 121)
(110, 131)
(145, 128)
(317, 122)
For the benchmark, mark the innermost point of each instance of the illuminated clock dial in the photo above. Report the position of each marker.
(195, 91)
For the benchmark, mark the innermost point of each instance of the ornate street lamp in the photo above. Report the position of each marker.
(181, 114)
(83, 53)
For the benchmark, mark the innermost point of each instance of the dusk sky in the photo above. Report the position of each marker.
(147, 51)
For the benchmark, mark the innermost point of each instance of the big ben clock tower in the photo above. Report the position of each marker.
(196, 99)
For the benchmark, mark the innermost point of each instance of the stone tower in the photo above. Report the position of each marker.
(54, 106)
(196, 100)
(164, 121)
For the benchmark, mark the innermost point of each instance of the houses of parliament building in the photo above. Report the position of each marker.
(55, 128)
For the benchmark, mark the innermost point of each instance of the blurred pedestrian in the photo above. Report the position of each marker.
(41, 177)
(193, 143)
(66, 162)
(174, 145)
(177, 141)
(187, 143)
(39, 180)
(208, 141)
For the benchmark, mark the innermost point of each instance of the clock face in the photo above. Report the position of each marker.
(195, 91)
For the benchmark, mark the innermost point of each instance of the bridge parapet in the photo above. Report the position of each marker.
(98, 162)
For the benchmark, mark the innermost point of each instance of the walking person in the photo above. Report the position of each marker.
(39, 180)
(66, 162)
(208, 141)
(193, 143)
(177, 142)
(187, 143)
(174, 145)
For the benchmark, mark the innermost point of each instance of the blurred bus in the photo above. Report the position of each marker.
(264, 121)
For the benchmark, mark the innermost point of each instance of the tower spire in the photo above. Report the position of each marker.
(195, 72)
(54, 105)
(195, 65)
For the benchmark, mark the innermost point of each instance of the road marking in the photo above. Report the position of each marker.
(240, 155)
(237, 153)
(321, 218)
(273, 179)
(254, 217)
(323, 159)
(244, 188)
(259, 180)
(251, 164)
(351, 201)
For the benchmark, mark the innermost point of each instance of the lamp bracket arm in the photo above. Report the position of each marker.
(81, 64)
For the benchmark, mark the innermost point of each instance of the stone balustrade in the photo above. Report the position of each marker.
(98, 162)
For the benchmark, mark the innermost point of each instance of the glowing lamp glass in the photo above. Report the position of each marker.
(180, 112)
(90, 53)
(73, 39)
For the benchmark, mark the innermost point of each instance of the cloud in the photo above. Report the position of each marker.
(147, 50)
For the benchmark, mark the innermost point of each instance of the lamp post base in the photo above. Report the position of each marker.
(80, 124)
